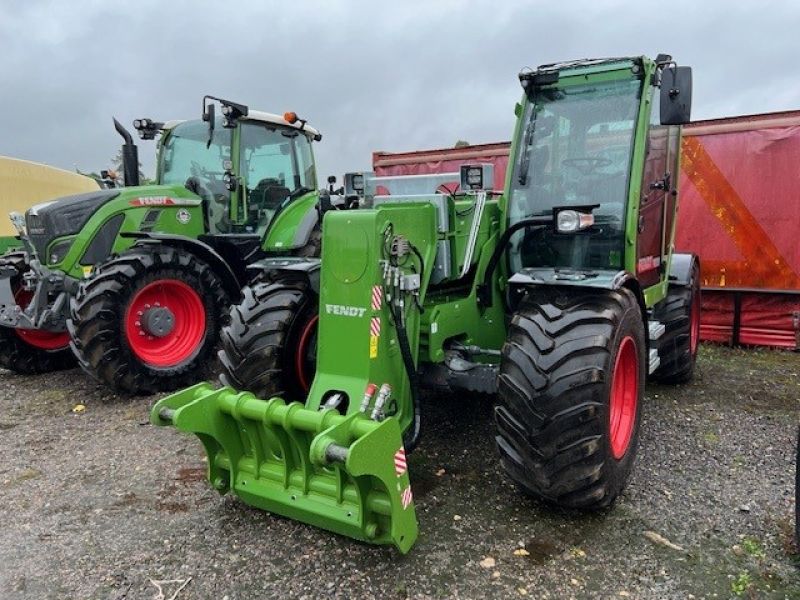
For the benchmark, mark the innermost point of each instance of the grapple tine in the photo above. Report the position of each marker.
(320, 467)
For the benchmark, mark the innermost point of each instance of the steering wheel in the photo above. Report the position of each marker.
(586, 164)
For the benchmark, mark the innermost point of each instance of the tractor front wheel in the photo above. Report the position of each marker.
(269, 347)
(31, 351)
(572, 374)
(148, 320)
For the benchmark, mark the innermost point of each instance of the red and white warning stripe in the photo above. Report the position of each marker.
(377, 297)
(400, 465)
(375, 326)
(406, 497)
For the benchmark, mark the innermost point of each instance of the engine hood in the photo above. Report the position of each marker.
(63, 216)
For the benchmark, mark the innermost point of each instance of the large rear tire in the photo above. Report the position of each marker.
(148, 320)
(572, 373)
(269, 346)
(680, 314)
(31, 351)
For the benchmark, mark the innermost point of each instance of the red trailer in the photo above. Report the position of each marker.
(739, 211)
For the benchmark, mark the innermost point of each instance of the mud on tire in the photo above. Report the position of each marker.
(554, 414)
(99, 318)
(19, 355)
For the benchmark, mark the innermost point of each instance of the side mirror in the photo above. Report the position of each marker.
(208, 116)
(676, 95)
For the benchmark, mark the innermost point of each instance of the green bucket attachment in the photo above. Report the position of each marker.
(344, 473)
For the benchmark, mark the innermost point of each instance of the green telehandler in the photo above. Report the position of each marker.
(558, 296)
(137, 280)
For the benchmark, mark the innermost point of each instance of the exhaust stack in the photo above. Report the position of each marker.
(130, 156)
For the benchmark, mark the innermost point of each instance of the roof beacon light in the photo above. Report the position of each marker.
(290, 117)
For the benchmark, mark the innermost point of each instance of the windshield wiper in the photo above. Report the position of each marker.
(527, 140)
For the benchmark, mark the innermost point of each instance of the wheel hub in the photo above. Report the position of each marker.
(165, 323)
(158, 321)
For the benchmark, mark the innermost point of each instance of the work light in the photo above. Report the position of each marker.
(477, 177)
(570, 221)
(354, 184)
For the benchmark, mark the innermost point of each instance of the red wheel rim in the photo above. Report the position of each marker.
(185, 338)
(694, 326)
(301, 358)
(38, 338)
(624, 397)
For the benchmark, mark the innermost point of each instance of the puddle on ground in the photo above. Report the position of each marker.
(541, 550)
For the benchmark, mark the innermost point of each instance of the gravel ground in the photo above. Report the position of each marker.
(99, 503)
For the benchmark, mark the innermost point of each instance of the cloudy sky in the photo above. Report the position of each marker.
(370, 75)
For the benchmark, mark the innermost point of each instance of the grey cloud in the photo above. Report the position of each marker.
(369, 75)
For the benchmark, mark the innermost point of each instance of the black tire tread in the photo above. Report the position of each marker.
(554, 369)
(254, 343)
(677, 362)
(95, 322)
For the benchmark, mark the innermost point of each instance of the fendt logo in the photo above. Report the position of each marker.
(345, 311)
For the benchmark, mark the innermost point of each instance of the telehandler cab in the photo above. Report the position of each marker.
(558, 296)
(139, 279)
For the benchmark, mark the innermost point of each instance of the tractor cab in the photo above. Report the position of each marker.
(245, 169)
(590, 166)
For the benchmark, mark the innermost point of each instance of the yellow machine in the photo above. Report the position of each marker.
(24, 183)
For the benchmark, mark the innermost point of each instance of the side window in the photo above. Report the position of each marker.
(265, 157)
(265, 163)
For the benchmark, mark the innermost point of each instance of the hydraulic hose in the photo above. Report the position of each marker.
(412, 435)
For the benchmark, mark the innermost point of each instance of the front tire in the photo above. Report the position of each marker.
(572, 373)
(148, 320)
(31, 351)
(269, 346)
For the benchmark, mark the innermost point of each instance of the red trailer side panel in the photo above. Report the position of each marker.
(445, 160)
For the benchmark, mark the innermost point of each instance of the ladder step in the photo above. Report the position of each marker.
(655, 360)
(655, 330)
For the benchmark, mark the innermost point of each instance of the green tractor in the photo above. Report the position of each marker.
(558, 297)
(136, 282)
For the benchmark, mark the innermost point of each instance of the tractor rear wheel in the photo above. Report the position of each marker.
(30, 351)
(572, 373)
(148, 320)
(680, 314)
(269, 346)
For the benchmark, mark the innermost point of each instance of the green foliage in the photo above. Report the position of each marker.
(753, 547)
(742, 582)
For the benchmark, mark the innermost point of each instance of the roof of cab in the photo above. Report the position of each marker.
(264, 117)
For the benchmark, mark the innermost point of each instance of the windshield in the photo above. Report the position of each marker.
(185, 155)
(277, 166)
(576, 151)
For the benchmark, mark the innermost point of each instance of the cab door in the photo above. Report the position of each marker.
(657, 197)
